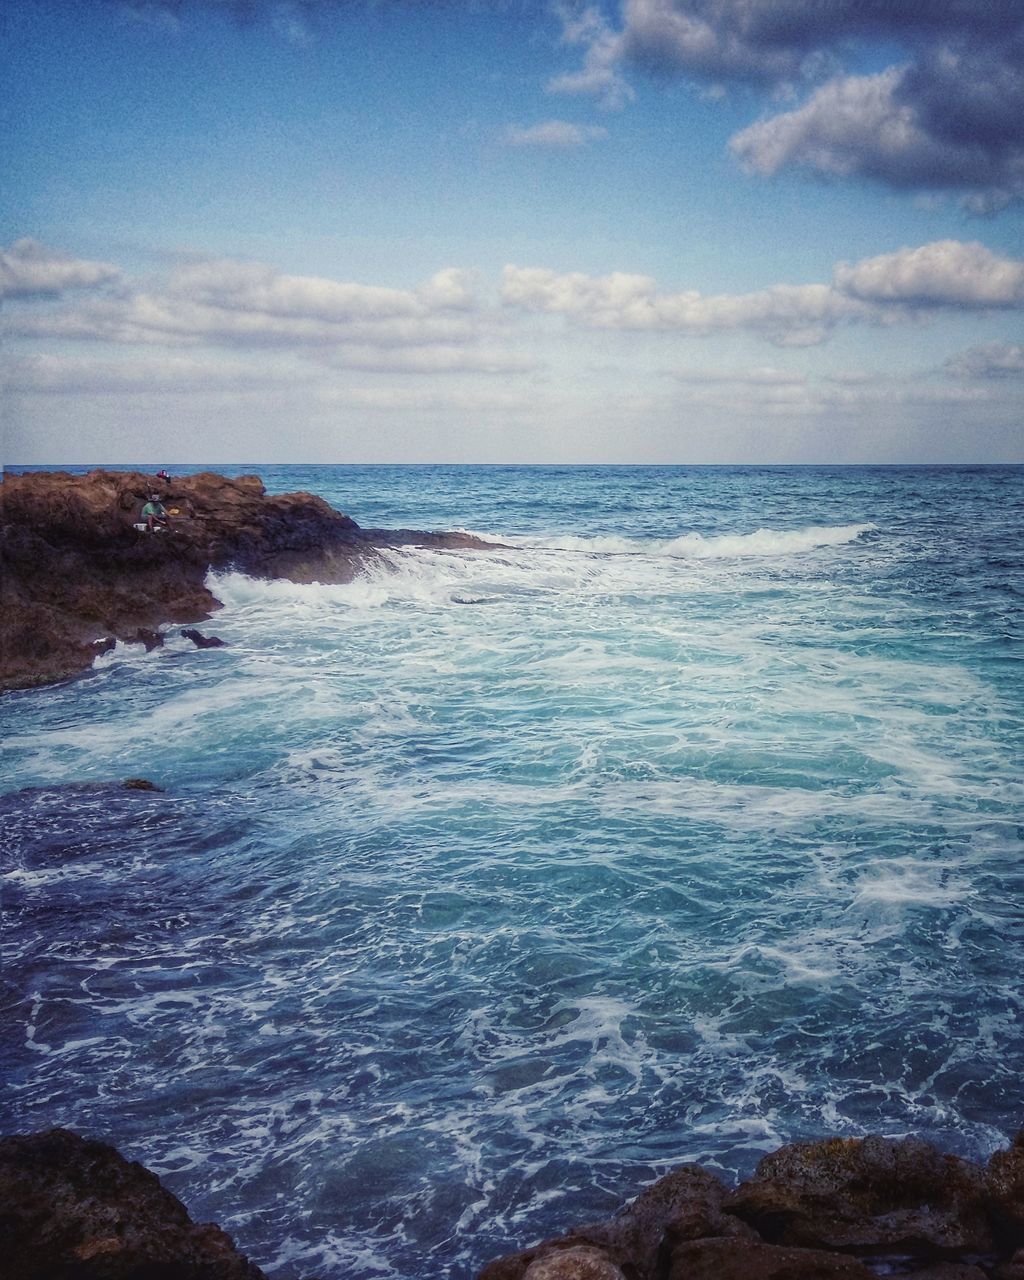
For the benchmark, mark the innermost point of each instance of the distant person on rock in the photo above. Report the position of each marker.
(162, 475)
(154, 513)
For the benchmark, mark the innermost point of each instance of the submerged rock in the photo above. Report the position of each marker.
(200, 641)
(78, 572)
(72, 1209)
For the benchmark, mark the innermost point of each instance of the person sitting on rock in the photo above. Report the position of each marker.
(155, 513)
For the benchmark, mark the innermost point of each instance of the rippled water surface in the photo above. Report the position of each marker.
(485, 889)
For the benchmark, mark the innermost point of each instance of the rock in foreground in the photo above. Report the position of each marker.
(78, 573)
(71, 1209)
(842, 1208)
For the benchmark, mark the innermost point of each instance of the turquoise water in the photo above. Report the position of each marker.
(485, 889)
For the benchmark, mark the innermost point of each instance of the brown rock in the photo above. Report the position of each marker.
(867, 1195)
(716, 1259)
(684, 1205)
(580, 1262)
(76, 570)
(1004, 1184)
(71, 1209)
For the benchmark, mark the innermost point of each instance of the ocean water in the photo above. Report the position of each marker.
(487, 888)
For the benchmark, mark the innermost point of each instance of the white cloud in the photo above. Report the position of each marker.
(883, 290)
(558, 134)
(790, 315)
(253, 287)
(599, 76)
(29, 269)
(943, 273)
(249, 305)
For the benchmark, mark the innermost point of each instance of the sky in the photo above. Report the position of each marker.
(512, 231)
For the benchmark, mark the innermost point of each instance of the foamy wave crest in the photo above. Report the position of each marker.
(694, 546)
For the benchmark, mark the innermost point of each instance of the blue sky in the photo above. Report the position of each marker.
(647, 231)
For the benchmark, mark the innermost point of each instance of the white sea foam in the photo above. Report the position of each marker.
(493, 877)
(696, 546)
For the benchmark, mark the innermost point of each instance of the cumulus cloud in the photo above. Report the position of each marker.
(990, 360)
(789, 315)
(883, 290)
(250, 305)
(944, 273)
(558, 134)
(870, 126)
(29, 269)
(255, 288)
(948, 114)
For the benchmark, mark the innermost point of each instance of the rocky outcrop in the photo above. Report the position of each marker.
(71, 1209)
(843, 1208)
(77, 573)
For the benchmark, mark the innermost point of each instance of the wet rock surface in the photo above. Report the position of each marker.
(812, 1211)
(78, 573)
(72, 1209)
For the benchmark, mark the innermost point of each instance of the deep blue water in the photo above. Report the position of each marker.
(484, 890)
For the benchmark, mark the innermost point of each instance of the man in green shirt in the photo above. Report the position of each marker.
(155, 513)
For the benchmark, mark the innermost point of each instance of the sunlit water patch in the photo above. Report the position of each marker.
(488, 887)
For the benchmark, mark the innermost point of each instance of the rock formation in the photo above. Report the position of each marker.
(844, 1208)
(840, 1209)
(71, 1209)
(77, 573)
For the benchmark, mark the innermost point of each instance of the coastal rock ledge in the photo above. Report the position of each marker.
(77, 574)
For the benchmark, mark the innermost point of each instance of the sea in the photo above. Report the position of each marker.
(484, 890)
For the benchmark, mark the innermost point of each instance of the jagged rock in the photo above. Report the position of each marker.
(200, 641)
(77, 571)
(684, 1205)
(151, 639)
(867, 1195)
(72, 1209)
